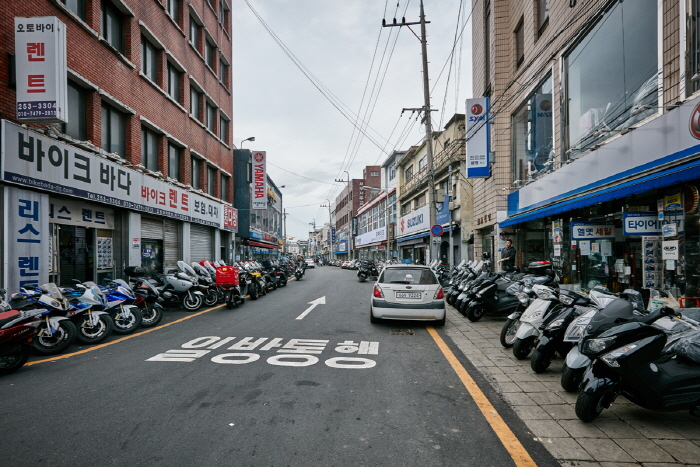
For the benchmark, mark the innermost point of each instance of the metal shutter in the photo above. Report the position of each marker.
(151, 229)
(201, 243)
(171, 244)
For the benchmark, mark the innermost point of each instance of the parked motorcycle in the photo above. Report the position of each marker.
(531, 319)
(208, 283)
(180, 287)
(147, 299)
(85, 303)
(366, 270)
(228, 280)
(17, 330)
(119, 303)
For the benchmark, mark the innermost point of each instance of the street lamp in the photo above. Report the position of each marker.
(252, 138)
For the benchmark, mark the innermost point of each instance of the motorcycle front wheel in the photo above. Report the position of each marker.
(362, 277)
(124, 324)
(58, 341)
(508, 332)
(474, 312)
(211, 297)
(571, 378)
(89, 333)
(151, 315)
(522, 347)
(541, 359)
(192, 302)
(589, 406)
(15, 360)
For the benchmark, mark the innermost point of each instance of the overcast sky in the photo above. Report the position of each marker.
(335, 41)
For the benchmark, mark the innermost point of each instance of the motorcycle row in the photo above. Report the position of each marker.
(612, 345)
(47, 319)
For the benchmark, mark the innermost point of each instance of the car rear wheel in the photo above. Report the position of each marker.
(441, 322)
(373, 319)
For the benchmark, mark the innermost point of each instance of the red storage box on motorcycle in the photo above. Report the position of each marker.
(226, 276)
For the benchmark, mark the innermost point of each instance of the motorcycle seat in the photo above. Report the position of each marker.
(7, 316)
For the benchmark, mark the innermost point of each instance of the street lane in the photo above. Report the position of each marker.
(233, 387)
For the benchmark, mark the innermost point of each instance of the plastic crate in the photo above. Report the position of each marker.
(226, 276)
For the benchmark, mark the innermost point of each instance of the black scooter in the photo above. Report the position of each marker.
(629, 359)
(366, 270)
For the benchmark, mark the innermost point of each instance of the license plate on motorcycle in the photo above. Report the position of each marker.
(413, 295)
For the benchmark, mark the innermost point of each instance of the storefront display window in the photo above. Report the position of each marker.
(533, 151)
(612, 75)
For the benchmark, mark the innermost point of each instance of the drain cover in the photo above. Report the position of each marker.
(402, 332)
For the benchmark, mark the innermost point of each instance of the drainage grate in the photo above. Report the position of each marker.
(402, 332)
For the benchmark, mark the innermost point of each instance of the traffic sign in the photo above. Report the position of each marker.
(437, 230)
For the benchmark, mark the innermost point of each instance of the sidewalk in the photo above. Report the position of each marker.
(624, 435)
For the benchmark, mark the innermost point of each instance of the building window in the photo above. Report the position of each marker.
(420, 201)
(223, 129)
(112, 25)
(196, 173)
(77, 7)
(149, 60)
(149, 149)
(174, 156)
(693, 73)
(211, 118)
(532, 130)
(622, 48)
(224, 187)
(392, 172)
(519, 43)
(195, 99)
(174, 79)
(194, 33)
(405, 209)
(374, 173)
(223, 15)
(113, 130)
(77, 113)
(487, 47)
(211, 181)
(542, 15)
(409, 173)
(210, 53)
(223, 72)
(423, 163)
(173, 9)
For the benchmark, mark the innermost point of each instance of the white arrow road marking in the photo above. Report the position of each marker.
(318, 301)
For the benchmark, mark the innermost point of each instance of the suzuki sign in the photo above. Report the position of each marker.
(418, 220)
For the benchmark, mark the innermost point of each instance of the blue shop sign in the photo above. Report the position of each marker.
(648, 223)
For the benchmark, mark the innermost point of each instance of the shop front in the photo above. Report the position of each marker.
(368, 245)
(413, 236)
(92, 215)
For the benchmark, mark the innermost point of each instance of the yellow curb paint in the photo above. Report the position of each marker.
(516, 450)
(61, 357)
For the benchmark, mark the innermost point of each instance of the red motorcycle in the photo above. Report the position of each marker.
(17, 330)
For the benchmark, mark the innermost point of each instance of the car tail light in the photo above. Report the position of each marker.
(439, 294)
(378, 292)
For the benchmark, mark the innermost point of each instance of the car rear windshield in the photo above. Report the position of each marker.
(408, 276)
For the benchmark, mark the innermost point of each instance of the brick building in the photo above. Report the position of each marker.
(149, 98)
(353, 196)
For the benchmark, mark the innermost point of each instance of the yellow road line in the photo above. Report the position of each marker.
(90, 349)
(516, 450)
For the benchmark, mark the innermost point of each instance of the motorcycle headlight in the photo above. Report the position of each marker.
(555, 324)
(566, 300)
(545, 294)
(611, 357)
(577, 329)
(523, 298)
(597, 345)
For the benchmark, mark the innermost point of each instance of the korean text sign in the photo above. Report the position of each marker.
(478, 137)
(585, 231)
(41, 70)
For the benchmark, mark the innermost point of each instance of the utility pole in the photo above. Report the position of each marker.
(426, 117)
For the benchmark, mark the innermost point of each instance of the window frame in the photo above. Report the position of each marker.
(211, 180)
(210, 120)
(108, 8)
(154, 55)
(173, 70)
(145, 159)
(174, 169)
(200, 95)
(107, 143)
(196, 173)
(519, 37)
(82, 98)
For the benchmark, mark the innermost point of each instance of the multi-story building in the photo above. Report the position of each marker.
(453, 201)
(389, 186)
(346, 205)
(140, 173)
(594, 134)
(371, 239)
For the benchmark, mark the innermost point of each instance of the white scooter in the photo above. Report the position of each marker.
(532, 318)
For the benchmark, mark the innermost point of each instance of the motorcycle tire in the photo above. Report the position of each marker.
(571, 378)
(298, 276)
(462, 307)
(211, 297)
(230, 305)
(508, 332)
(263, 290)
(15, 360)
(541, 359)
(124, 325)
(362, 277)
(64, 336)
(474, 312)
(192, 302)
(89, 334)
(283, 282)
(522, 347)
(589, 406)
(151, 316)
(221, 295)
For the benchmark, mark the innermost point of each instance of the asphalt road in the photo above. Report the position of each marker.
(255, 386)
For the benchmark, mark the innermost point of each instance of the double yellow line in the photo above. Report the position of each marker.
(516, 450)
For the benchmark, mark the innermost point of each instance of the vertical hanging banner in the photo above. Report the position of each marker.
(478, 144)
(259, 200)
(41, 70)
(27, 247)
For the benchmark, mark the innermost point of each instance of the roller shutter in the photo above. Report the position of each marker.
(201, 242)
(171, 243)
(151, 228)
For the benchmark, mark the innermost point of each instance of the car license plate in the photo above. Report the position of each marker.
(408, 295)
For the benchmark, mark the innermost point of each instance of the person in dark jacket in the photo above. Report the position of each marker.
(508, 256)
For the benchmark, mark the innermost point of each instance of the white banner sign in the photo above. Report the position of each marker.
(63, 211)
(41, 70)
(478, 137)
(378, 235)
(27, 247)
(414, 222)
(33, 160)
(259, 199)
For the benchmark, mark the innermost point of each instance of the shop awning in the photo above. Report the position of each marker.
(264, 245)
(679, 174)
(371, 244)
(403, 239)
